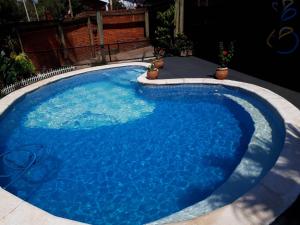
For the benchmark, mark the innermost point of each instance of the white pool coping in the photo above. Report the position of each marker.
(261, 205)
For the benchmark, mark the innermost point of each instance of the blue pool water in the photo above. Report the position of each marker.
(102, 149)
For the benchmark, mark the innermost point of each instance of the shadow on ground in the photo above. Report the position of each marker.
(285, 179)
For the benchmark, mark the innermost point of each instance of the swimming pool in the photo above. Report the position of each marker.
(102, 149)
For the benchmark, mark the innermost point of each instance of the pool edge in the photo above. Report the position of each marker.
(236, 213)
(279, 188)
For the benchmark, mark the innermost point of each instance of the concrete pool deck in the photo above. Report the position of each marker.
(260, 206)
(193, 67)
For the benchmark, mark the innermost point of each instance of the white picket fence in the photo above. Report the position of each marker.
(40, 76)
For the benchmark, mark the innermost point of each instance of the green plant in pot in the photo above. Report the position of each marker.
(162, 40)
(152, 72)
(182, 45)
(159, 60)
(225, 56)
(189, 47)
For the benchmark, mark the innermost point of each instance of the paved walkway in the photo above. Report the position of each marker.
(192, 67)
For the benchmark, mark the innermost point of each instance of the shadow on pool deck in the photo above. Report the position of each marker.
(192, 67)
(283, 175)
(291, 216)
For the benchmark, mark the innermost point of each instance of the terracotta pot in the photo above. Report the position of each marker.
(159, 63)
(153, 74)
(222, 73)
(183, 53)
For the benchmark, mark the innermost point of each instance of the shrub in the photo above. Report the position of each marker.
(163, 35)
(23, 66)
(225, 54)
(182, 43)
(14, 68)
(164, 42)
(151, 67)
(7, 73)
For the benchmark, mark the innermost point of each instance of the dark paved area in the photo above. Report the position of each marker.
(192, 67)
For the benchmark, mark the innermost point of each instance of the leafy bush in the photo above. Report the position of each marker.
(151, 67)
(15, 67)
(7, 73)
(10, 11)
(163, 35)
(225, 54)
(23, 66)
(117, 4)
(164, 41)
(182, 43)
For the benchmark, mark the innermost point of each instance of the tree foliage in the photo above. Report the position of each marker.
(165, 41)
(155, 3)
(118, 5)
(164, 32)
(10, 11)
(58, 9)
(14, 67)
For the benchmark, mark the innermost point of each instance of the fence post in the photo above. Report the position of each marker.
(101, 35)
(63, 42)
(147, 24)
(89, 25)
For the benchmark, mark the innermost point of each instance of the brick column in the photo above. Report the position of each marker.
(101, 35)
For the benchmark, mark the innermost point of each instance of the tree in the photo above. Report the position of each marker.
(118, 5)
(164, 32)
(155, 3)
(78, 6)
(14, 67)
(10, 11)
(58, 9)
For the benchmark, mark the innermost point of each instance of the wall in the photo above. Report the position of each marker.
(41, 46)
(266, 33)
(43, 43)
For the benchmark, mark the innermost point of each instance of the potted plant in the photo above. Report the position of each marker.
(180, 44)
(189, 48)
(162, 40)
(183, 45)
(152, 72)
(225, 56)
(159, 60)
